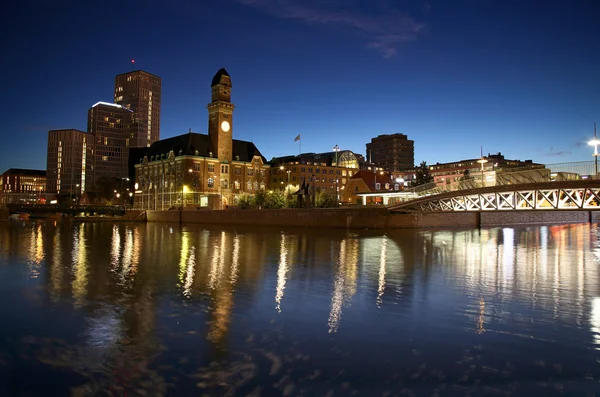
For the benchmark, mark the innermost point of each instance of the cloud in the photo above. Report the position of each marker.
(559, 154)
(384, 26)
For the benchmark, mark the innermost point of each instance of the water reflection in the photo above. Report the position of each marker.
(79, 263)
(281, 272)
(150, 301)
(345, 277)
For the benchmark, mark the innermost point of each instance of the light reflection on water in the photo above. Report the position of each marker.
(164, 309)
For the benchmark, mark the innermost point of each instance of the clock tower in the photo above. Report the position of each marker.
(220, 116)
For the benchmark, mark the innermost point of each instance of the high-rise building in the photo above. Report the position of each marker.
(392, 152)
(141, 92)
(110, 125)
(66, 168)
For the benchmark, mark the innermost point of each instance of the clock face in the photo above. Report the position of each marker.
(225, 126)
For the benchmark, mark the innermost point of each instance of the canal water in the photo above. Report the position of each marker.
(101, 309)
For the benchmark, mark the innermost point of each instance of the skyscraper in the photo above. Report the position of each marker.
(392, 152)
(67, 161)
(110, 126)
(141, 92)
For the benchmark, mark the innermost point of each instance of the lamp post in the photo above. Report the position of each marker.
(595, 142)
(221, 193)
(482, 161)
(336, 149)
(190, 171)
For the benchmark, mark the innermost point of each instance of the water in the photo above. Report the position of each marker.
(106, 309)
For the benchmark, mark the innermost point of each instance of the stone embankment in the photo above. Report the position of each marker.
(353, 218)
(369, 218)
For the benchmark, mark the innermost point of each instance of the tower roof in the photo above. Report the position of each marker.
(217, 79)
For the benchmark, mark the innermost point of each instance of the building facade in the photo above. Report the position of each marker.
(199, 170)
(141, 92)
(22, 186)
(66, 167)
(109, 124)
(325, 172)
(392, 152)
(486, 171)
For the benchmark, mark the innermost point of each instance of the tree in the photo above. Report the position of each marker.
(275, 199)
(466, 175)
(422, 175)
(325, 199)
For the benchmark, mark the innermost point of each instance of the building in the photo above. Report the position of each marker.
(392, 152)
(487, 171)
(199, 170)
(141, 92)
(110, 125)
(66, 167)
(22, 186)
(326, 172)
(367, 187)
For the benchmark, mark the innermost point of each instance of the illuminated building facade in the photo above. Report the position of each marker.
(66, 167)
(327, 172)
(22, 186)
(110, 125)
(141, 92)
(392, 152)
(486, 170)
(199, 170)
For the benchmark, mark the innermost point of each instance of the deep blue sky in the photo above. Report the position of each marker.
(516, 76)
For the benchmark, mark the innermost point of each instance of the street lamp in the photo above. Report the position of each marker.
(336, 149)
(595, 142)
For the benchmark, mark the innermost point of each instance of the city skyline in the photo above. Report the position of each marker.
(452, 76)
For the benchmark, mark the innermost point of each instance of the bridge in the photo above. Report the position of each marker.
(39, 209)
(563, 195)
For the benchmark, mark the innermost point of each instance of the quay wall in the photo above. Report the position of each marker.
(500, 218)
(370, 218)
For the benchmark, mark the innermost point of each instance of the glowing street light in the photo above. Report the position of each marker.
(595, 142)
(336, 149)
(482, 161)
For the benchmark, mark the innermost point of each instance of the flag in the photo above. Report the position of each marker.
(296, 139)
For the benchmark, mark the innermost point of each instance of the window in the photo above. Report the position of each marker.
(224, 169)
(262, 172)
(249, 186)
(396, 187)
(211, 167)
(236, 185)
(238, 171)
(250, 172)
(224, 184)
(211, 182)
(378, 186)
(197, 166)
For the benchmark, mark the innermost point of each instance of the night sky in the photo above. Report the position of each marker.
(514, 76)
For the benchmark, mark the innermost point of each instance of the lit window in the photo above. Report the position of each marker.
(378, 186)
(211, 182)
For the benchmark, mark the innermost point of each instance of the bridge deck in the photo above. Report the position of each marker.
(564, 195)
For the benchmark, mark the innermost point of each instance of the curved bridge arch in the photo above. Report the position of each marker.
(571, 195)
